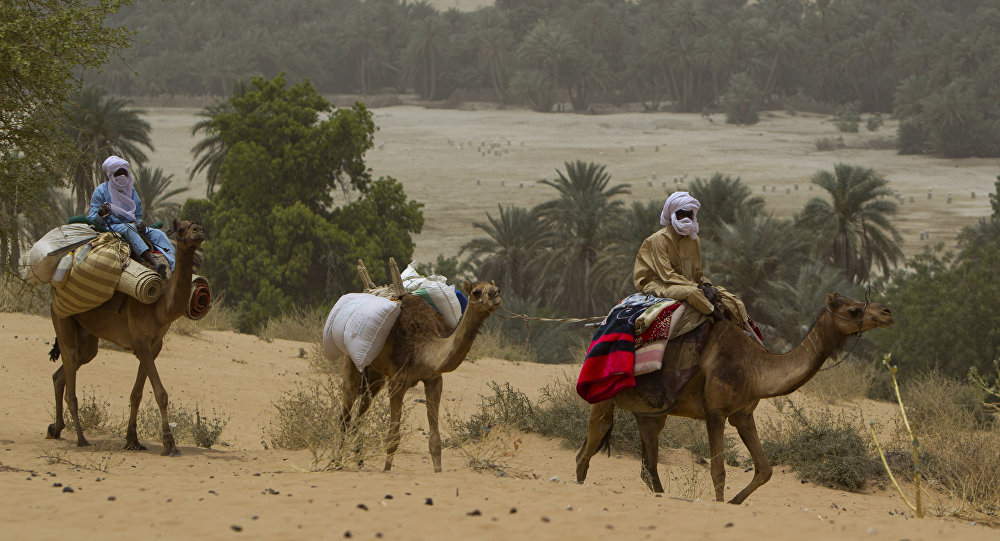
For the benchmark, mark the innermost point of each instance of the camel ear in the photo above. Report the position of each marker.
(466, 287)
(834, 300)
(176, 224)
(493, 283)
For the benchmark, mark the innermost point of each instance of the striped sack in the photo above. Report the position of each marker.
(92, 280)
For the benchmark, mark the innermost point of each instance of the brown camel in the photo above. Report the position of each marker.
(735, 374)
(138, 327)
(418, 349)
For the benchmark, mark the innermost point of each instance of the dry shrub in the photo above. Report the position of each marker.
(823, 447)
(830, 143)
(493, 452)
(299, 324)
(186, 425)
(561, 413)
(100, 458)
(959, 442)
(849, 380)
(493, 343)
(95, 414)
(16, 295)
(309, 418)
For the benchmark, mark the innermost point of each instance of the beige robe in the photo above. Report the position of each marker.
(669, 265)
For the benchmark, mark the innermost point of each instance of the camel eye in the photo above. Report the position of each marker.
(854, 311)
(477, 292)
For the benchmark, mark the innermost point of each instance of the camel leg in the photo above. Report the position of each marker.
(747, 428)
(649, 434)
(147, 359)
(396, 393)
(59, 382)
(432, 390)
(131, 433)
(351, 386)
(716, 424)
(601, 420)
(70, 397)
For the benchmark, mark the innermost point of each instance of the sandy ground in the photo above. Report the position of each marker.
(244, 490)
(462, 163)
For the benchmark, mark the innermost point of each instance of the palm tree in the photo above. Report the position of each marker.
(155, 193)
(551, 48)
(101, 125)
(723, 199)
(580, 220)
(211, 151)
(425, 52)
(613, 267)
(757, 257)
(511, 249)
(853, 230)
(359, 39)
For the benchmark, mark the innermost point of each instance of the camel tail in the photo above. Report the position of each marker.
(54, 352)
(606, 440)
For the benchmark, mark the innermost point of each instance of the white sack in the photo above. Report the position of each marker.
(358, 326)
(40, 266)
(442, 295)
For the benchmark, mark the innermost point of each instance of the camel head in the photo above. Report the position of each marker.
(851, 316)
(189, 233)
(483, 296)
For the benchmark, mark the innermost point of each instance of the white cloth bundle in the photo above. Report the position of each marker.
(436, 292)
(358, 326)
(41, 265)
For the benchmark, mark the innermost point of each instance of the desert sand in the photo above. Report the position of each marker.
(462, 163)
(242, 490)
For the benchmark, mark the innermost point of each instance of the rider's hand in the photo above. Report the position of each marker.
(711, 292)
(104, 211)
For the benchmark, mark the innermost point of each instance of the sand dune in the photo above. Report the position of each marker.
(245, 490)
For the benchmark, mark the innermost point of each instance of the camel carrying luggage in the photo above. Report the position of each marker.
(436, 292)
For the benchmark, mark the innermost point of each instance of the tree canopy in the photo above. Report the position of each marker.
(277, 239)
(44, 45)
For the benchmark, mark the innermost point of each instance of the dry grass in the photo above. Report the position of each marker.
(494, 343)
(300, 324)
(219, 318)
(309, 418)
(849, 380)
(95, 414)
(958, 445)
(100, 458)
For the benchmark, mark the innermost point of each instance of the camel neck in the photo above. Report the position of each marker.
(178, 292)
(457, 345)
(783, 374)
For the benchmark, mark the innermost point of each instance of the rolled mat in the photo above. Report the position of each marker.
(201, 298)
(140, 283)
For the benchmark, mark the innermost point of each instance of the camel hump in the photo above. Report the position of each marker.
(417, 318)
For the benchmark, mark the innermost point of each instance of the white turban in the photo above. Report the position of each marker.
(687, 227)
(120, 188)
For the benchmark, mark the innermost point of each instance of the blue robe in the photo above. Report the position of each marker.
(127, 229)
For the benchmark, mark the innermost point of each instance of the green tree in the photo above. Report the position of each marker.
(741, 100)
(853, 230)
(100, 126)
(551, 48)
(511, 251)
(276, 238)
(425, 54)
(580, 220)
(44, 46)
(210, 151)
(155, 193)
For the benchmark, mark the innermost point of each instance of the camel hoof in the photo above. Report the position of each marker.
(133, 446)
(52, 433)
(82, 443)
(170, 452)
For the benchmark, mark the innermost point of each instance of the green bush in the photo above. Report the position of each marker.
(741, 100)
(848, 119)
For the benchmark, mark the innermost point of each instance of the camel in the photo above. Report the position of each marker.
(735, 373)
(418, 349)
(137, 327)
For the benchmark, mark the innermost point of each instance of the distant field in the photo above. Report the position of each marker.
(439, 156)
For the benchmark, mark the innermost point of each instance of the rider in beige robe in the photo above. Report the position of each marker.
(669, 261)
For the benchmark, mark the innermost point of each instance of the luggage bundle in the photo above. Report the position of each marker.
(359, 323)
